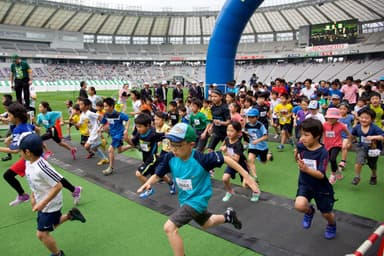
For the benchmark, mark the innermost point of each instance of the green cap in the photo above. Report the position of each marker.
(181, 132)
(15, 57)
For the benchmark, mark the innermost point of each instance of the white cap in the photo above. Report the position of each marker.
(146, 83)
(164, 82)
(178, 83)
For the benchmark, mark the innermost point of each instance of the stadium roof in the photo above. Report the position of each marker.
(198, 23)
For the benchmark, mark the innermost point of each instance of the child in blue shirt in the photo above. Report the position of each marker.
(257, 147)
(48, 119)
(116, 130)
(369, 144)
(348, 120)
(190, 171)
(312, 160)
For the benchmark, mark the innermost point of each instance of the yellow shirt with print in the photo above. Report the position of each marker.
(165, 144)
(83, 129)
(207, 112)
(284, 113)
(379, 115)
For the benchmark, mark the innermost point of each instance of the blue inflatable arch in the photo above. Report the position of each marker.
(224, 40)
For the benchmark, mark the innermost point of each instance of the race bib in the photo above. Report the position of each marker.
(184, 184)
(45, 122)
(330, 134)
(283, 119)
(144, 147)
(310, 163)
(263, 114)
(374, 152)
(365, 140)
(111, 121)
(230, 151)
(197, 122)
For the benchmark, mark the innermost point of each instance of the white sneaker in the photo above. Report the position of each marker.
(227, 197)
(19, 199)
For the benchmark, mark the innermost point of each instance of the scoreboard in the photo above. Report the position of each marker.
(334, 33)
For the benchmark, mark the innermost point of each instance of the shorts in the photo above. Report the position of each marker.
(275, 121)
(83, 139)
(185, 214)
(51, 133)
(286, 127)
(362, 158)
(116, 143)
(47, 221)
(18, 167)
(259, 153)
(232, 172)
(148, 168)
(324, 200)
(215, 139)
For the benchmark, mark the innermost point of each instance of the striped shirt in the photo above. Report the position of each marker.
(42, 178)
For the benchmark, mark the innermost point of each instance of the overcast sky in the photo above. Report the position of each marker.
(159, 5)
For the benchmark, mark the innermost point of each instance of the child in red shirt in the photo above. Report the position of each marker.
(333, 141)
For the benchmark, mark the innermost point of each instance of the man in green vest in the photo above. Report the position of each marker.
(21, 79)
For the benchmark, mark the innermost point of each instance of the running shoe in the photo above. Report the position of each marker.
(75, 214)
(307, 220)
(330, 231)
(231, 217)
(227, 197)
(147, 193)
(103, 161)
(73, 153)
(19, 199)
(77, 195)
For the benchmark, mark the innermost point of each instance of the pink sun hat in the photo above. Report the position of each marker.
(333, 113)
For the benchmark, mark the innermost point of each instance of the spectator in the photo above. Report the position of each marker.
(21, 79)
(178, 92)
(146, 92)
(83, 90)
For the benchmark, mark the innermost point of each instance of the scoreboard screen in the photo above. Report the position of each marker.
(334, 33)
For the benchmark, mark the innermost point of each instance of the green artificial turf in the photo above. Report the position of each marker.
(118, 226)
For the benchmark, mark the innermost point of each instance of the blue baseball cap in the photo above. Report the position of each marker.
(253, 112)
(181, 132)
(33, 143)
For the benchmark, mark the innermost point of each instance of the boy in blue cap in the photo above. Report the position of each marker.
(46, 197)
(190, 171)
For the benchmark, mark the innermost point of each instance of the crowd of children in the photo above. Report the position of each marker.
(318, 121)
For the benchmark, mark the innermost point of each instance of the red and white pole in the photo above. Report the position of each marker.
(364, 247)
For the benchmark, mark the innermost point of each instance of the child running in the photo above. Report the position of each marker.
(190, 171)
(258, 146)
(46, 197)
(233, 148)
(147, 139)
(333, 141)
(369, 144)
(312, 160)
(348, 120)
(116, 130)
(17, 114)
(48, 118)
(94, 141)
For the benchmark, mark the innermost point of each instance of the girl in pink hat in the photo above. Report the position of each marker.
(333, 140)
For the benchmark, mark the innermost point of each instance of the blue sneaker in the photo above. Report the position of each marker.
(147, 193)
(330, 231)
(172, 188)
(307, 220)
(280, 147)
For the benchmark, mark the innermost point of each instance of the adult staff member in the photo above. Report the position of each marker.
(21, 79)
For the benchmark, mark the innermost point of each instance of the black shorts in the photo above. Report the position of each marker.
(286, 127)
(47, 221)
(259, 153)
(324, 200)
(148, 168)
(83, 139)
(215, 139)
(185, 214)
(51, 133)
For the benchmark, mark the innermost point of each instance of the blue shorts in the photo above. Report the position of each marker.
(46, 221)
(116, 143)
(324, 200)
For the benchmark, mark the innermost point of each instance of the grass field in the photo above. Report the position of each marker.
(118, 226)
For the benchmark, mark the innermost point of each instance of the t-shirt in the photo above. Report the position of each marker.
(192, 176)
(318, 160)
(42, 178)
(332, 134)
(236, 148)
(174, 117)
(92, 121)
(308, 92)
(20, 71)
(317, 116)
(18, 132)
(284, 113)
(263, 114)
(198, 121)
(83, 128)
(48, 119)
(379, 115)
(350, 93)
(256, 131)
(221, 113)
(362, 137)
(207, 112)
(348, 121)
(116, 123)
(300, 116)
(165, 143)
(147, 143)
